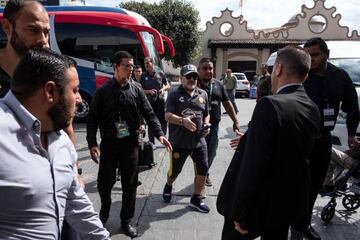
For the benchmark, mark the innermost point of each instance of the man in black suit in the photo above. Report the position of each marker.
(266, 187)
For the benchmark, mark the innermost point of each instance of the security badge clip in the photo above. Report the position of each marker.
(122, 129)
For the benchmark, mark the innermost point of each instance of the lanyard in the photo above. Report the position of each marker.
(210, 91)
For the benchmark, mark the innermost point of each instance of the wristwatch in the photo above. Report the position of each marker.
(79, 170)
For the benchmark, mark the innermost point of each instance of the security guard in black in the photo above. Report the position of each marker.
(117, 109)
(113, 102)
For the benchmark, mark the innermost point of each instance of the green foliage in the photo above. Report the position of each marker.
(176, 19)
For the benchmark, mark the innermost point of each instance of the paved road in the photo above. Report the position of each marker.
(175, 221)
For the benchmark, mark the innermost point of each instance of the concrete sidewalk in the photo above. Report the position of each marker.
(176, 221)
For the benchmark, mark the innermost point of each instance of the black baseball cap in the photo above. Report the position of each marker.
(188, 69)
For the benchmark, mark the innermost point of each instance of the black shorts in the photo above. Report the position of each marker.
(179, 155)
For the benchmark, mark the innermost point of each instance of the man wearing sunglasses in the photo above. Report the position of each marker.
(117, 110)
(187, 111)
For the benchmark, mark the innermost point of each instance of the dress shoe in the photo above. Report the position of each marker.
(129, 230)
(311, 234)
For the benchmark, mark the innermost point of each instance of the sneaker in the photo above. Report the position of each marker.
(208, 182)
(167, 193)
(197, 203)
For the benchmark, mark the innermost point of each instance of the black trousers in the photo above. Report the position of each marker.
(122, 153)
(230, 233)
(319, 162)
(159, 110)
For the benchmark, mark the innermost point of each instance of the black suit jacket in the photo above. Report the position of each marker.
(267, 183)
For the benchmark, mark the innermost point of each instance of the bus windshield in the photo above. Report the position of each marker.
(97, 43)
(150, 47)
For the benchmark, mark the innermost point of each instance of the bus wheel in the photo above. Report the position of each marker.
(82, 109)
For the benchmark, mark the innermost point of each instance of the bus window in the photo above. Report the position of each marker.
(2, 39)
(97, 44)
(150, 46)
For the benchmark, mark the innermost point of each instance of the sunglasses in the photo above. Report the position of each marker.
(192, 76)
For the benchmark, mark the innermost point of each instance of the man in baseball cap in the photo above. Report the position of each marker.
(188, 69)
(187, 111)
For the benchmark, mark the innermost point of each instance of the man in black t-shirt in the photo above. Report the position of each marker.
(331, 89)
(155, 86)
(217, 95)
(188, 115)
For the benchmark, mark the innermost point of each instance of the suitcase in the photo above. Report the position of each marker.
(146, 155)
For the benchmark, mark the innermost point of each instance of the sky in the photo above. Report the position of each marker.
(261, 13)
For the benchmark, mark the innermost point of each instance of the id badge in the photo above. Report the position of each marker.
(329, 117)
(122, 129)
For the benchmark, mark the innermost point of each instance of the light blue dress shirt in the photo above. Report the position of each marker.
(38, 187)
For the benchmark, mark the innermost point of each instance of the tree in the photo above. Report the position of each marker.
(176, 19)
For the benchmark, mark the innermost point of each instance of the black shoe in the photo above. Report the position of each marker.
(311, 234)
(167, 193)
(327, 190)
(197, 203)
(104, 215)
(129, 230)
(296, 235)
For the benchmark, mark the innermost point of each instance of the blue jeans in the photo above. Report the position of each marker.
(212, 141)
(231, 96)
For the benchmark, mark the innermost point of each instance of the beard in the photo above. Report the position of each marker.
(60, 115)
(19, 46)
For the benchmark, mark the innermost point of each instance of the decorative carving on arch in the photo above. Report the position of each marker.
(240, 26)
(333, 30)
(299, 31)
